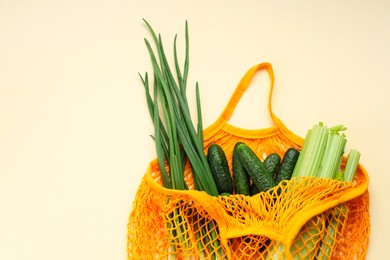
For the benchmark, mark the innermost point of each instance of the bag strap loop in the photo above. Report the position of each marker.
(235, 98)
(243, 86)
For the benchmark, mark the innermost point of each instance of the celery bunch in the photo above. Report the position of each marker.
(321, 156)
(322, 153)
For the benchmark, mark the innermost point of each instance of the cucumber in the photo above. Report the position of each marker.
(255, 168)
(254, 190)
(287, 165)
(271, 164)
(225, 194)
(220, 169)
(240, 176)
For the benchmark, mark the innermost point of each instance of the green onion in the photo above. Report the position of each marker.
(176, 138)
(159, 145)
(179, 125)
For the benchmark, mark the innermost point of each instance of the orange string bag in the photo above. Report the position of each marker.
(291, 221)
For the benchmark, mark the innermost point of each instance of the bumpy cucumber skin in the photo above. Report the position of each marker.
(287, 165)
(255, 190)
(240, 176)
(255, 168)
(225, 194)
(220, 169)
(271, 164)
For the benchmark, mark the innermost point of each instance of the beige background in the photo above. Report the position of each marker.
(74, 126)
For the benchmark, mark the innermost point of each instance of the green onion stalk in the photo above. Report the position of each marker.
(176, 137)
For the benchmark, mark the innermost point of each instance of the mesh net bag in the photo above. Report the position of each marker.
(303, 218)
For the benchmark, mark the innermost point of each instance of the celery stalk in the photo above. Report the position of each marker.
(306, 246)
(312, 152)
(334, 151)
(351, 165)
(300, 161)
(275, 251)
(333, 227)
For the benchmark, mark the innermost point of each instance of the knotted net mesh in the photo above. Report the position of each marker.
(304, 218)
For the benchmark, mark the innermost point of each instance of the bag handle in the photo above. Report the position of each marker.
(243, 86)
(235, 98)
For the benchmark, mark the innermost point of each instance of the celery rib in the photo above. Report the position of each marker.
(351, 165)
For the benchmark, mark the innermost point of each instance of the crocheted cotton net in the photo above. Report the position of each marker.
(299, 219)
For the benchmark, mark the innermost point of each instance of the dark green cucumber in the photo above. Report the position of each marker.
(255, 190)
(271, 164)
(220, 169)
(225, 194)
(287, 165)
(255, 168)
(240, 176)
